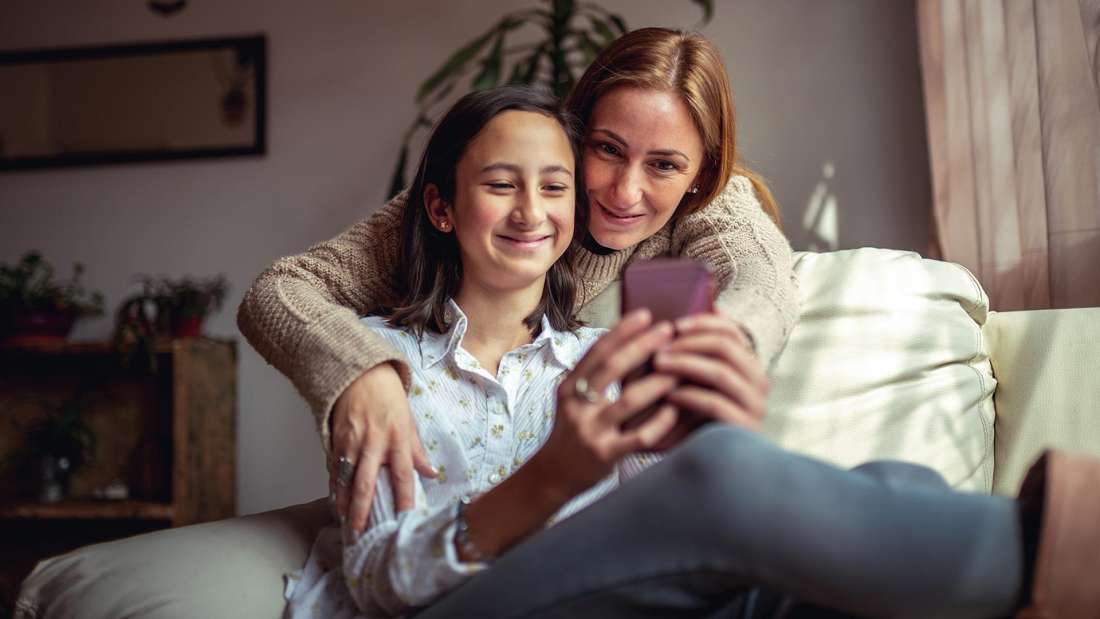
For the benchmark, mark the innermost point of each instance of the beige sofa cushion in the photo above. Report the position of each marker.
(229, 568)
(1048, 366)
(887, 362)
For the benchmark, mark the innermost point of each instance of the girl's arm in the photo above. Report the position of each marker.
(302, 313)
(752, 263)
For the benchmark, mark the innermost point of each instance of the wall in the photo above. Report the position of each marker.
(818, 84)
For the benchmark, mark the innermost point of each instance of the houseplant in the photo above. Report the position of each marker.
(559, 39)
(36, 307)
(57, 445)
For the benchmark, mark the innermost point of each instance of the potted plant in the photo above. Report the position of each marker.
(172, 307)
(35, 307)
(59, 444)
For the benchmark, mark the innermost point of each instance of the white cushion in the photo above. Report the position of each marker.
(887, 362)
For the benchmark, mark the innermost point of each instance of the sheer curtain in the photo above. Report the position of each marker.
(1012, 96)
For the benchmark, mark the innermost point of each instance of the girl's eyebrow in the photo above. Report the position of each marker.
(664, 152)
(515, 169)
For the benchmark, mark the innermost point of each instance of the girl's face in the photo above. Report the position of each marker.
(514, 201)
(642, 154)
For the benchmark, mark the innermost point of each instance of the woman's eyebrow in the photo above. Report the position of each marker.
(663, 152)
(515, 169)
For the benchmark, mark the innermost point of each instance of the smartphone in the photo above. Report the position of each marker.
(670, 288)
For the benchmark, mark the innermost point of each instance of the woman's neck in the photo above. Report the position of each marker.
(495, 320)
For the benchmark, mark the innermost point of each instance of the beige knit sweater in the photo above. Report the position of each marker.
(302, 313)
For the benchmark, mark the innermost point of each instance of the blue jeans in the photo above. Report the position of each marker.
(728, 511)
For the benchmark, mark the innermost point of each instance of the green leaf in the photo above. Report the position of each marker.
(619, 23)
(455, 64)
(525, 70)
(602, 29)
(708, 9)
(490, 67)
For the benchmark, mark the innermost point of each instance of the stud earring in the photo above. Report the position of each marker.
(694, 189)
(444, 225)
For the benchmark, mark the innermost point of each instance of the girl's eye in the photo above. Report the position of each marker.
(556, 187)
(500, 185)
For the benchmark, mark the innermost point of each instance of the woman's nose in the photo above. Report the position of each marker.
(627, 188)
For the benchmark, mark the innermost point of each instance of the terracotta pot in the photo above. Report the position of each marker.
(187, 327)
(30, 328)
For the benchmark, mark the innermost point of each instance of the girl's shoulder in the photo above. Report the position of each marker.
(397, 336)
(585, 337)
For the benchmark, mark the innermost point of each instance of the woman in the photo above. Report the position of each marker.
(485, 319)
(663, 179)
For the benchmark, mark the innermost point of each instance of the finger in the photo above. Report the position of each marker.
(650, 433)
(630, 325)
(636, 397)
(712, 405)
(421, 462)
(711, 321)
(342, 494)
(706, 371)
(724, 347)
(362, 489)
(401, 477)
(628, 356)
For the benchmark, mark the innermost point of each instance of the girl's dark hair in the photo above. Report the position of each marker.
(430, 269)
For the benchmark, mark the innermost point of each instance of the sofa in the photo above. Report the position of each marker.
(894, 356)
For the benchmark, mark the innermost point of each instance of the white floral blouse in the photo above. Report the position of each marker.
(477, 429)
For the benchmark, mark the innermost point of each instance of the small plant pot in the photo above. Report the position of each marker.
(55, 479)
(30, 328)
(187, 327)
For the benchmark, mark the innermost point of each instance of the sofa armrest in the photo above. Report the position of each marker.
(1047, 364)
(228, 568)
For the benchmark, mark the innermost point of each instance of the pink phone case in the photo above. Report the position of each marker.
(670, 288)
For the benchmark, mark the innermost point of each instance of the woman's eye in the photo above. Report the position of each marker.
(608, 149)
(665, 166)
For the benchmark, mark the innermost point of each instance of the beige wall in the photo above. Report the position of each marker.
(817, 82)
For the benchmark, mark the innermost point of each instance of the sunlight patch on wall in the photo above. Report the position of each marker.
(819, 220)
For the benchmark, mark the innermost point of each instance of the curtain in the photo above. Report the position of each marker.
(1012, 98)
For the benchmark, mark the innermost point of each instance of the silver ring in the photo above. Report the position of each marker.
(344, 470)
(583, 392)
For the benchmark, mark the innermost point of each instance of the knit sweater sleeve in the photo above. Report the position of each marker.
(302, 313)
(752, 263)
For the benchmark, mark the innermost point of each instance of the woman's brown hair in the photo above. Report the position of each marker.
(430, 269)
(688, 64)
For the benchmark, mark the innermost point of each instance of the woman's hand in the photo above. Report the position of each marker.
(587, 439)
(372, 426)
(722, 379)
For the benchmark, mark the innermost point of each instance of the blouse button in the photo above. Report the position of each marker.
(494, 479)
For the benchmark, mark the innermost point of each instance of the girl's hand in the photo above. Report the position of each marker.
(587, 439)
(721, 377)
(372, 426)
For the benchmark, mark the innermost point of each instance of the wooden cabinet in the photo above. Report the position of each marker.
(169, 435)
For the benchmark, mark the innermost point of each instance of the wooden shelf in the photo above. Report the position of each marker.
(88, 510)
(65, 347)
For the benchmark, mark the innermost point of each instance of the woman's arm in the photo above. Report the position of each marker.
(752, 263)
(302, 313)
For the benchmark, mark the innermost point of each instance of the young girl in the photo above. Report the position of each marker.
(486, 323)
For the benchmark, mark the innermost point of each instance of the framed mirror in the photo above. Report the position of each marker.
(142, 102)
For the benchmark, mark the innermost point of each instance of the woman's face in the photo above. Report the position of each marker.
(514, 203)
(642, 154)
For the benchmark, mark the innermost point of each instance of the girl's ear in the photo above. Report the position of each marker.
(440, 212)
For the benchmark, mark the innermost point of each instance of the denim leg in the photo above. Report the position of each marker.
(729, 510)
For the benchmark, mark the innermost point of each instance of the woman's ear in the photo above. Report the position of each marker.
(440, 212)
